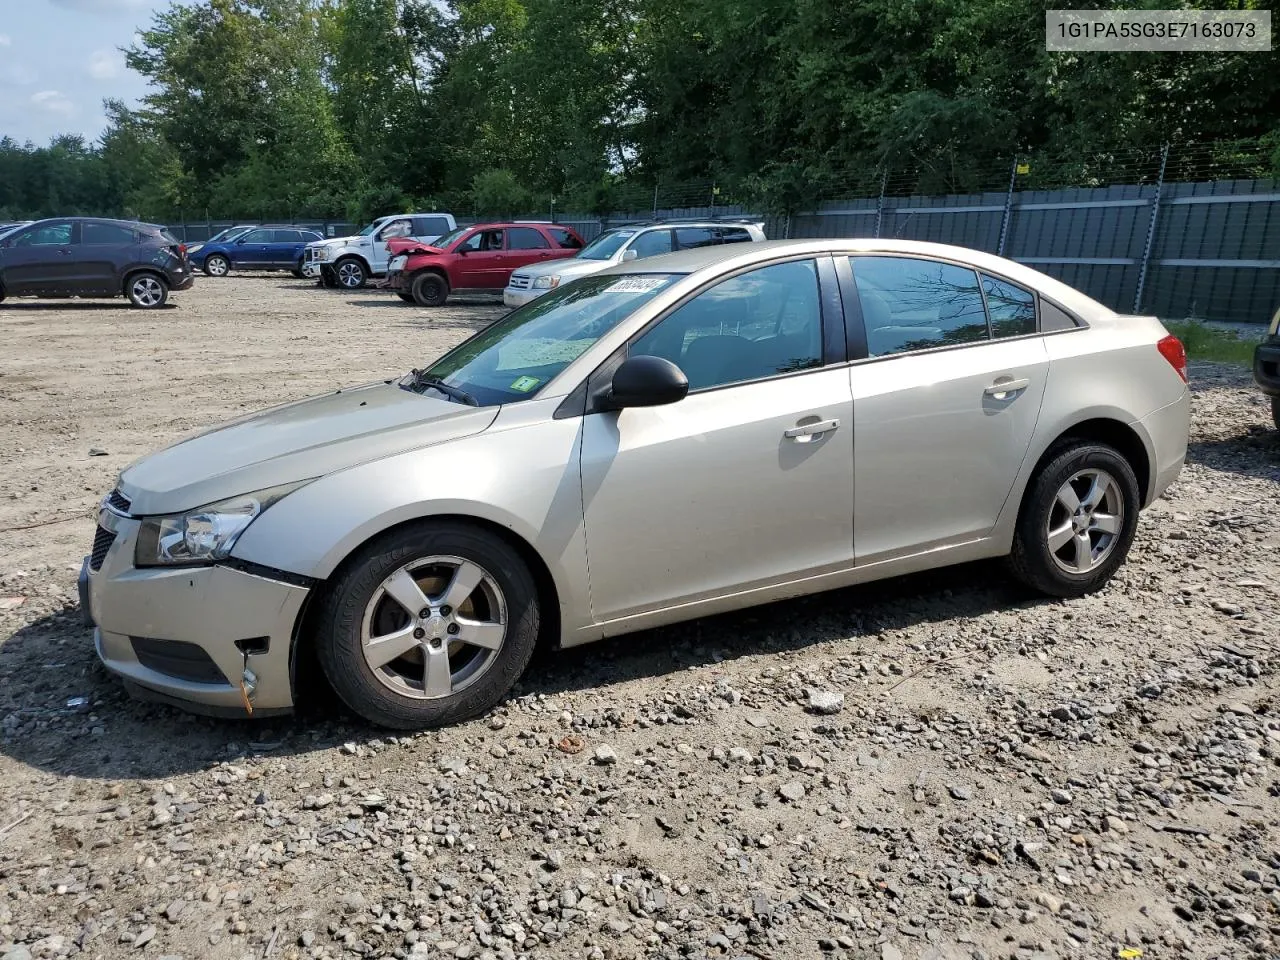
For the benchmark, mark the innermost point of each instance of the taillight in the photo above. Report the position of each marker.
(1171, 349)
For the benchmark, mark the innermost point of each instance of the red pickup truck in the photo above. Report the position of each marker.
(480, 257)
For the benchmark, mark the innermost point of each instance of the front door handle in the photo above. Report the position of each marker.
(1002, 388)
(806, 432)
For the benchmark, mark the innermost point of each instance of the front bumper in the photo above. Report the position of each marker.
(518, 298)
(397, 281)
(188, 635)
(312, 268)
(1266, 366)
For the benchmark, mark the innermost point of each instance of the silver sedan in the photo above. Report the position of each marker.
(670, 438)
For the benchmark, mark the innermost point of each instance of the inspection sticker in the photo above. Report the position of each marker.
(525, 384)
(636, 284)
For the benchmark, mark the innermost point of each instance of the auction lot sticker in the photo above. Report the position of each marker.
(1247, 31)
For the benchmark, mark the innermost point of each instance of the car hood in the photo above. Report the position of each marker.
(295, 441)
(566, 268)
(337, 241)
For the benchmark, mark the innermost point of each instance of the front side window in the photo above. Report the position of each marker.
(651, 243)
(606, 245)
(46, 235)
(913, 304)
(482, 241)
(396, 228)
(448, 238)
(1012, 309)
(517, 356)
(755, 325)
(526, 238)
(101, 234)
(257, 236)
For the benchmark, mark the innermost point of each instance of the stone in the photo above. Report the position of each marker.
(824, 702)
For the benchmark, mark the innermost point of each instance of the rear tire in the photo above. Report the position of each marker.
(406, 297)
(1275, 401)
(366, 608)
(147, 291)
(216, 265)
(1077, 522)
(430, 290)
(350, 273)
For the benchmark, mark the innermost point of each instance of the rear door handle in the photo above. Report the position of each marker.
(1002, 388)
(809, 431)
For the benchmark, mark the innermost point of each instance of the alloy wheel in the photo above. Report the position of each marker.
(1085, 520)
(217, 266)
(434, 627)
(350, 275)
(147, 292)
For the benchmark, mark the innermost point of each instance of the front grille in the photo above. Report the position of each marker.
(118, 501)
(520, 282)
(102, 540)
(176, 658)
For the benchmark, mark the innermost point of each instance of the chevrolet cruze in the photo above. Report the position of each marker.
(669, 438)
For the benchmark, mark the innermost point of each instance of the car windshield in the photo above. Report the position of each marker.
(366, 230)
(445, 239)
(517, 356)
(606, 245)
(228, 234)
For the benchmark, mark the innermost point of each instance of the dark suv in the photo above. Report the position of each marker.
(1266, 366)
(82, 257)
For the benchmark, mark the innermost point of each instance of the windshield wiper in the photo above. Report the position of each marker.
(421, 379)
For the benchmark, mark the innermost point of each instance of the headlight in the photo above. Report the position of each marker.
(326, 253)
(546, 283)
(1275, 324)
(204, 534)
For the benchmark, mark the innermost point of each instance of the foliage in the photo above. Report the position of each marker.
(330, 108)
(1203, 342)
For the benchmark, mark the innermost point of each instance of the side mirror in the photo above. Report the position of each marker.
(647, 382)
(630, 255)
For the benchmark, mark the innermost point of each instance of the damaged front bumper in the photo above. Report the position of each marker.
(214, 639)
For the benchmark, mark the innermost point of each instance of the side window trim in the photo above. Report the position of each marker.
(585, 397)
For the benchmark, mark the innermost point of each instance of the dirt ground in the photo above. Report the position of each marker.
(1007, 776)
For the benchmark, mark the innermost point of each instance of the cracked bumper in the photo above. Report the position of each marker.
(172, 633)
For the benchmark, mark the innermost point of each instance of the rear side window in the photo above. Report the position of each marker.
(733, 235)
(285, 236)
(912, 304)
(688, 237)
(526, 238)
(565, 239)
(1012, 309)
(431, 226)
(99, 234)
(1053, 317)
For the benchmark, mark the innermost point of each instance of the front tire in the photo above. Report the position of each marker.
(350, 273)
(428, 625)
(147, 291)
(1077, 522)
(406, 297)
(216, 265)
(430, 290)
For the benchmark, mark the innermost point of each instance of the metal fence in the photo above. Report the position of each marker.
(1208, 250)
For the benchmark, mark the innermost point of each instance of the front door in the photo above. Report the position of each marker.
(945, 405)
(745, 483)
(255, 250)
(40, 259)
(481, 260)
(379, 255)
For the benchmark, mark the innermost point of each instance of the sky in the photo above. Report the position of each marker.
(59, 59)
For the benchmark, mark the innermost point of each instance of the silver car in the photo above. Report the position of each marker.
(633, 241)
(669, 438)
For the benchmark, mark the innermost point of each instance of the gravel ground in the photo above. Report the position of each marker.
(932, 767)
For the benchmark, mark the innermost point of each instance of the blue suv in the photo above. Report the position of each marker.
(267, 247)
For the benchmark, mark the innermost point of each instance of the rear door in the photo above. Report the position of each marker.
(526, 245)
(105, 249)
(687, 238)
(255, 250)
(39, 259)
(944, 404)
(428, 228)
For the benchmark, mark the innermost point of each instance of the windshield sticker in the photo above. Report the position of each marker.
(636, 284)
(525, 384)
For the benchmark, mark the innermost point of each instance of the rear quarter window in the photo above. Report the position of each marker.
(101, 234)
(565, 239)
(431, 226)
(1054, 318)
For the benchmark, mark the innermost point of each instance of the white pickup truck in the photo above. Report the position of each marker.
(349, 262)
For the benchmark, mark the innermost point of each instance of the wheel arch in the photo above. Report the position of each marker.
(302, 663)
(353, 256)
(1124, 437)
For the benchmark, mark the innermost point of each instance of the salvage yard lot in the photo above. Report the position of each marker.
(1007, 774)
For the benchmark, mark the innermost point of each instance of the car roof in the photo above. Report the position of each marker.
(714, 259)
